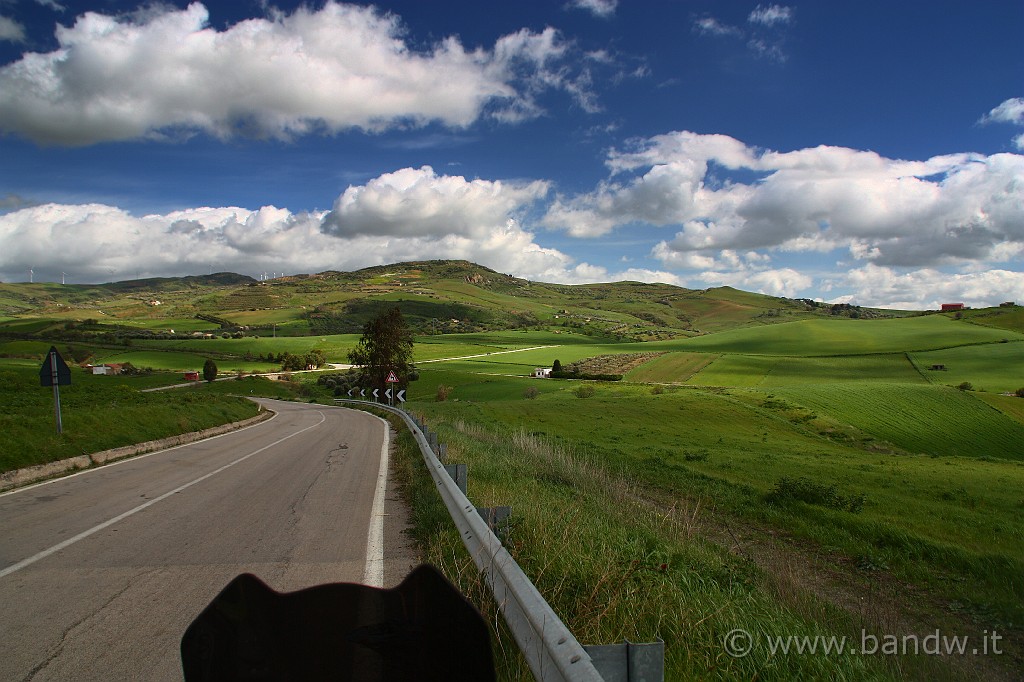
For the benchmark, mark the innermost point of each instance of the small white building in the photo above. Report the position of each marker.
(542, 373)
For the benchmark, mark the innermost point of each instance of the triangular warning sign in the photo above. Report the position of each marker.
(392, 379)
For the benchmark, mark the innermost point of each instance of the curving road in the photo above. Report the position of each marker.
(101, 572)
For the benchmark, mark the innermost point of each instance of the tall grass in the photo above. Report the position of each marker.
(616, 564)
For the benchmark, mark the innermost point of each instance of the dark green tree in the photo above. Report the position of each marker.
(386, 346)
(209, 370)
(556, 366)
(292, 363)
(315, 358)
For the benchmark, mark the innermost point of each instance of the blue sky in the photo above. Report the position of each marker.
(863, 152)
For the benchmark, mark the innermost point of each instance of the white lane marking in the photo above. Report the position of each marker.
(120, 517)
(373, 575)
(133, 458)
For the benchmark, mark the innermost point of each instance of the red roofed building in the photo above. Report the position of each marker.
(950, 307)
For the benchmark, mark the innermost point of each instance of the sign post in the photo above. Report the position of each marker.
(55, 372)
(392, 379)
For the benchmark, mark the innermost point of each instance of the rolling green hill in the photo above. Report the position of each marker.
(435, 296)
(825, 337)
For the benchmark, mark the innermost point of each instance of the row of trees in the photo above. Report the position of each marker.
(385, 347)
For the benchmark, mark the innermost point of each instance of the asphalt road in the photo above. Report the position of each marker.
(102, 572)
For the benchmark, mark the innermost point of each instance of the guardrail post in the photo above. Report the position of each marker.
(442, 452)
(496, 519)
(458, 474)
(629, 661)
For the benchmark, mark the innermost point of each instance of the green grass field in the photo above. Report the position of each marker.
(770, 371)
(672, 368)
(919, 419)
(844, 337)
(924, 518)
(938, 471)
(994, 368)
(100, 413)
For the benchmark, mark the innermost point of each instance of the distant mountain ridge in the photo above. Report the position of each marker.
(435, 296)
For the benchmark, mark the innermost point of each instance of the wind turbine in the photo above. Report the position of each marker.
(62, 276)
(31, 275)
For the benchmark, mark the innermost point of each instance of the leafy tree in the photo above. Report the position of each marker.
(556, 366)
(292, 363)
(386, 346)
(315, 358)
(209, 370)
(296, 363)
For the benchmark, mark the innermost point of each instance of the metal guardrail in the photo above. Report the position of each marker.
(551, 650)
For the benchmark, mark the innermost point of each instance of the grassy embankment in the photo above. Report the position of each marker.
(101, 412)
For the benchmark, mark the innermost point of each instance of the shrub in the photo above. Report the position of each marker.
(209, 370)
(531, 392)
(443, 392)
(1020, 392)
(584, 391)
(657, 390)
(966, 386)
(803, 489)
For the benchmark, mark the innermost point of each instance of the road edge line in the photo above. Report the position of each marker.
(373, 574)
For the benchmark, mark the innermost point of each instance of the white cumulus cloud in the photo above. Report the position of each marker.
(773, 282)
(926, 288)
(410, 214)
(1010, 111)
(771, 15)
(11, 31)
(944, 210)
(601, 8)
(419, 203)
(167, 72)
